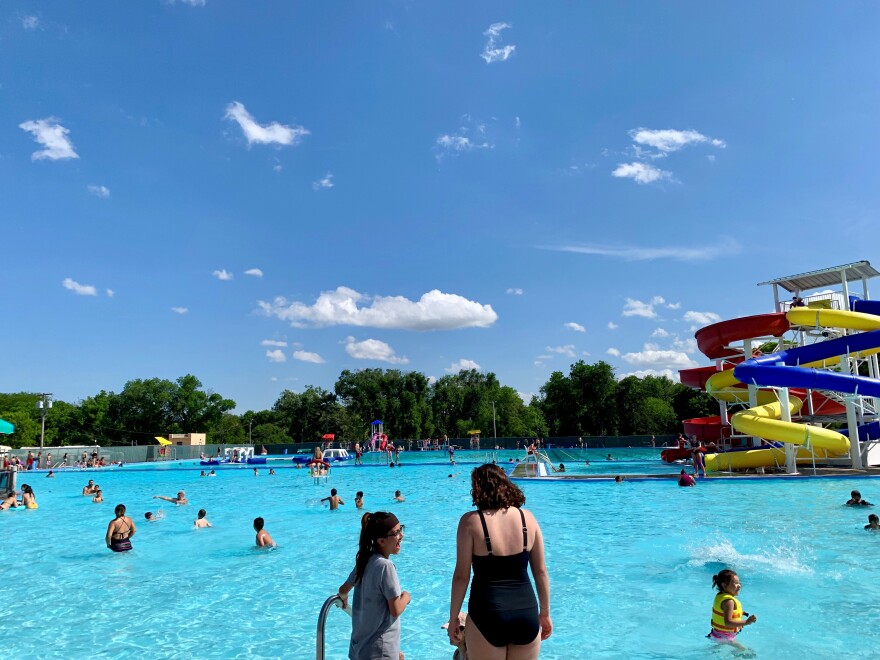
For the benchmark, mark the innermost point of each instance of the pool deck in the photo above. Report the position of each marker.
(818, 473)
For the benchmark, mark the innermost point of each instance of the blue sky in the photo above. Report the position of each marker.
(266, 193)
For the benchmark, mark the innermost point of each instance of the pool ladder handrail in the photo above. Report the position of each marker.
(322, 620)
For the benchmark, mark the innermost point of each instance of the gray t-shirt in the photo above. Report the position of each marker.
(375, 634)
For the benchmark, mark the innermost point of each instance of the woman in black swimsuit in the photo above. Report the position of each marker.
(501, 541)
(119, 531)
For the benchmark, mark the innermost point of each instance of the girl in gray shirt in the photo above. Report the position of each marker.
(378, 600)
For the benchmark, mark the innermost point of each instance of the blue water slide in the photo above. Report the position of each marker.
(865, 306)
(765, 371)
(869, 431)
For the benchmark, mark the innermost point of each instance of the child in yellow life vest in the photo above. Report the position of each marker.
(727, 612)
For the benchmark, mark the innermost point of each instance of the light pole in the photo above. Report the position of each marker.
(494, 431)
(250, 429)
(43, 404)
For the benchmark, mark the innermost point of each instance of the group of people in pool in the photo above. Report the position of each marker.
(498, 543)
(28, 499)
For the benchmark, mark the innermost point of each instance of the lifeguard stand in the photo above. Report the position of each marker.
(475, 438)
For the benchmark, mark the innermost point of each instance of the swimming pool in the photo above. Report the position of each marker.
(630, 564)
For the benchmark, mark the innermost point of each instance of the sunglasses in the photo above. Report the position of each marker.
(398, 533)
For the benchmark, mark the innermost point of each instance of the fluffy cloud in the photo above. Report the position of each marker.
(641, 373)
(30, 22)
(638, 308)
(613, 351)
(276, 356)
(669, 140)
(110, 293)
(688, 345)
(372, 349)
(724, 247)
(701, 318)
(567, 350)
(659, 332)
(254, 272)
(306, 356)
(53, 136)
(577, 327)
(322, 184)
(180, 310)
(492, 52)
(99, 191)
(515, 292)
(435, 310)
(274, 343)
(222, 275)
(273, 133)
(640, 172)
(79, 289)
(450, 145)
(654, 358)
(612, 325)
(462, 365)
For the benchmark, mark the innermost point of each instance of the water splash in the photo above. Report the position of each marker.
(781, 559)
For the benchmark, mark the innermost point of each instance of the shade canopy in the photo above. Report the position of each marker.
(860, 270)
(328, 436)
(6, 427)
(162, 441)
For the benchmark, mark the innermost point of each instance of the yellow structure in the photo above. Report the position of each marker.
(187, 439)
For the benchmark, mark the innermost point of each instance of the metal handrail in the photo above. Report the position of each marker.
(322, 619)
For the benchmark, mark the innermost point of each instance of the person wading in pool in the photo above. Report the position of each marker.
(180, 499)
(378, 599)
(120, 530)
(334, 500)
(263, 540)
(501, 541)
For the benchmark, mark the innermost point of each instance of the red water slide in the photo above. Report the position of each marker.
(713, 341)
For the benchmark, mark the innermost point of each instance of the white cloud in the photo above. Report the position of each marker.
(273, 378)
(526, 396)
(639, 308)
(254, 272)
(567, 350)
(659, 332)
(515, 292)
(276, 356)
(180, 310)
(673, 306)
(274, 342)
(273, 133)
(462, 365)
(544, 357)
(435, 310)
(223, 275)
(701, 318)
(30, 22)
(577, 327)
(669, 140)
(725, 246)
(448, 145)
(432, 380)
(306, 356)
(613, 351)
(612, 325)
(53, 136)
(641, 373)
(79, 289)
(194, 3)
(654, 358)
(688, 345)
(372, 349)
(492, 52)
(99, 191)
(640, 172)
(326, 182)
(110, 293)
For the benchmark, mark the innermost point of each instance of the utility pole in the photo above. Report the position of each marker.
(494, 431)
(43, 404)
(250, 428)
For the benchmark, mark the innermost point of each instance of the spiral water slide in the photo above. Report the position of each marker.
(804, 369)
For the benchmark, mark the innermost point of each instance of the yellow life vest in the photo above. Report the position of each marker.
(718, 614)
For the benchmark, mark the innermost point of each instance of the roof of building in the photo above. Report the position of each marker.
(859, 270)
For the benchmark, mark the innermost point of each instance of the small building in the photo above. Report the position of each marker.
(187, 439)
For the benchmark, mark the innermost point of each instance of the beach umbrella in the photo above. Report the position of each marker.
(6, 428)
(163, 441)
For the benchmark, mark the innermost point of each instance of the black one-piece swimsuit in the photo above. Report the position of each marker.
(502, 602)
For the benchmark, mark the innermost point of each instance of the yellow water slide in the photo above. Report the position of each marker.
(764, 421)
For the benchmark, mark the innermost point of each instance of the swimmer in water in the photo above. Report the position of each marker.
(263, 540)
(271, 472)
(856, 500)
(89, 488)
(727, 612)
(201, 521)
(153, 517)
(99, 496)
(119, 531)
(179, 500)
(398, 497)
(873, 522)
(684, 479)
(359, 499)
(334, 500)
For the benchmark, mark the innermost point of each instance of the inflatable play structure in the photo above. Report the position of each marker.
(796, 386)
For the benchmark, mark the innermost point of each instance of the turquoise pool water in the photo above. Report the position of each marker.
(630, 564)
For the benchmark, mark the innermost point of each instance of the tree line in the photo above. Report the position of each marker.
(589, 400)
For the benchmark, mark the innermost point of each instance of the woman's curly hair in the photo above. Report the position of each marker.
(491, 489)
